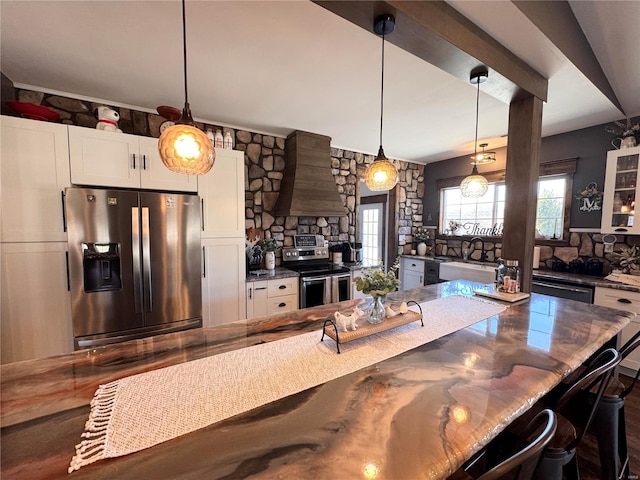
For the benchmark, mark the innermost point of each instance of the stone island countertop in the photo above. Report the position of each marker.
(419, 414)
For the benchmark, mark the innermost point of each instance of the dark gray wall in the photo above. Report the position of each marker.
(590, 144)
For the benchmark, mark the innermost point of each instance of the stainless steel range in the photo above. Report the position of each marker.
(321, 282)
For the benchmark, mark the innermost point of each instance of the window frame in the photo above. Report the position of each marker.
(565, 167)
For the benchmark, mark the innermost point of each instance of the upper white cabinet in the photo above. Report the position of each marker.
(222, 193)
(113, 159)
(34, 171)
(621, 191)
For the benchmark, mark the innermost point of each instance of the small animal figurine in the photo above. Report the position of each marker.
(389, 313)
(347, 322)
(107, 119)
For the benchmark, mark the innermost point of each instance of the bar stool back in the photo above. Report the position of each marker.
(560, 455)
(609, 424)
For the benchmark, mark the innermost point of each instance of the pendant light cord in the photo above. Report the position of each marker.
(184, 50)
(475, 145)
(384, 28)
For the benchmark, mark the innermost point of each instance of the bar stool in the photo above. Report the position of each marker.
(522, 464)
(609, 424)
(573, 418)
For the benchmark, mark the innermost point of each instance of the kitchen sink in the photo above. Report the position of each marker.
(475, 272)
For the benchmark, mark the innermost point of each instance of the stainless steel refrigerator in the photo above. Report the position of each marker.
(134, 264)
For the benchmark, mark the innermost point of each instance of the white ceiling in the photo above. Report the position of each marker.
(274, 67)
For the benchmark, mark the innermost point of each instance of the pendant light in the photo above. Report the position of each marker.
(484, 157)
(183, 147)
(475, 185)
(381, 175)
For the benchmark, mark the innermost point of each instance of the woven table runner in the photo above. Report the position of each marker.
(137, 412)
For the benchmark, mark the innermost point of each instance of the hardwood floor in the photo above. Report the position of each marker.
(588, 449)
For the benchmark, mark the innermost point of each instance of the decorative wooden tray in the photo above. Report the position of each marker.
(366, 329)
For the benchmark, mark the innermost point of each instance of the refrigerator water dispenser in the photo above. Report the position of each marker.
(101, 266)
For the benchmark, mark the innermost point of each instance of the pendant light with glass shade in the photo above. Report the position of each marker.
(475, 185)
(382, 175)
(183, 147)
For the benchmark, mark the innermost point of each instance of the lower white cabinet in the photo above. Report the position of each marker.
(268, 297)
(628, 301)
(35, 301)
(411, 273)
(223, 276)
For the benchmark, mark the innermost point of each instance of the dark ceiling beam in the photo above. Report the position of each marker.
(441, 36)
(559, 24)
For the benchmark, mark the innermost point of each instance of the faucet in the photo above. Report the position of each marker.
(483, 255)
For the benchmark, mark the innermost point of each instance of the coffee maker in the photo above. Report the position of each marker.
(352, 252)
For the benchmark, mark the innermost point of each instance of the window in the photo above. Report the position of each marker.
(371, 218)
(485, 215)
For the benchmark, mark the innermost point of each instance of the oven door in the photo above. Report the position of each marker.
(315, 291)
(341, 287)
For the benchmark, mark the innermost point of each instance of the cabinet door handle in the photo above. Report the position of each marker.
(204, 264)
(250, 293)
(64, 212)
(620, 230)
(624, 300)
(144, 162)
(66, 254)
(421, 282)
(282, 287)
(261, 288)
(134, 160)
(282, 304)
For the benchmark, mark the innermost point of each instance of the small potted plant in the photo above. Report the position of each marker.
(378, 284)
(269, 247)
(625, 132)
(628, 259)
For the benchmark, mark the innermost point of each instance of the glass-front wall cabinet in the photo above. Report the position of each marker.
(620, 192)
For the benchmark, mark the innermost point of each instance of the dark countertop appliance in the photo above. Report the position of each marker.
(321, 282)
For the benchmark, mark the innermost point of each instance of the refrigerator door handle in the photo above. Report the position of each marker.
(146, 260)
(135, 252)
(202, 213)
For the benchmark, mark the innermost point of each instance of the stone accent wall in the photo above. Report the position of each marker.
(581, 246)
(264, 169)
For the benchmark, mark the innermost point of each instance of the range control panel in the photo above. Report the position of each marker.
(305, 253)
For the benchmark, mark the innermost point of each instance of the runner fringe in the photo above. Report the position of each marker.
(92, 448)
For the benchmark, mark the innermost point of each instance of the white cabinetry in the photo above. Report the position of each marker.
(257, 299)
(223, 239)
(268, 297)
(35, 301)
(223, 280)
(411, 273)
(34, 171)
(222, 193)
(628, 301)
(112, 159)
(620, 191)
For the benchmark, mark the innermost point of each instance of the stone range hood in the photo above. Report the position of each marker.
(308, 187)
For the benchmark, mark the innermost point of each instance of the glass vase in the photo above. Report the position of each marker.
(377, 314)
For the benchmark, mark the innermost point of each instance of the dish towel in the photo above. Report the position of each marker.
(137, 412)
